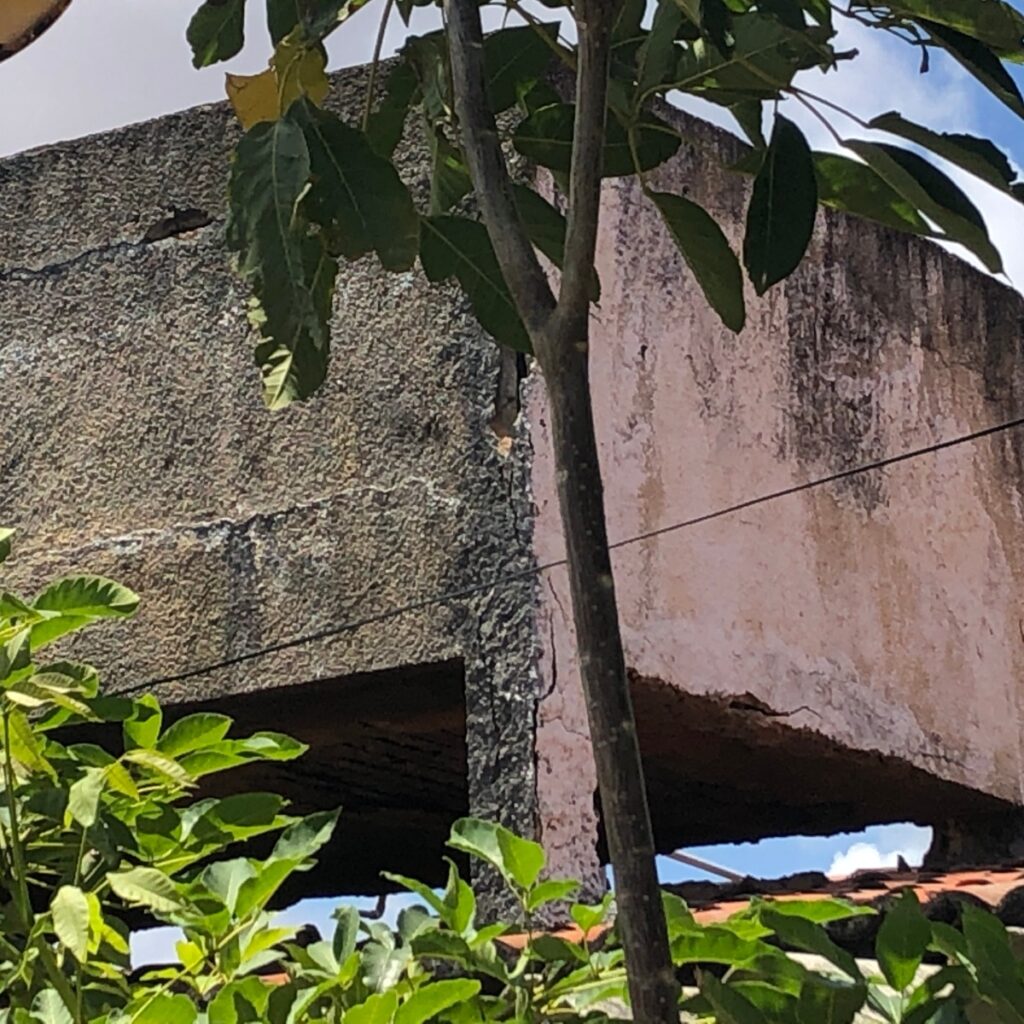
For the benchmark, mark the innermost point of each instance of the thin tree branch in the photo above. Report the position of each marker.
(371, 85)
(594, 22)
(522, 271)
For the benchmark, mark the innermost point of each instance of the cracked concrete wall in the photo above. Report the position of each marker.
(135, 444)
(886, 606)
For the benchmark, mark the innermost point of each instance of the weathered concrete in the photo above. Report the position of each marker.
(846, 655)
(135, 445)
(881, 612)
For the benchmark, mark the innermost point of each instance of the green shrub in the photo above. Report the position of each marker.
(90, 837)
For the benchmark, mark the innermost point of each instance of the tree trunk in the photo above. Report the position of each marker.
(652, 985)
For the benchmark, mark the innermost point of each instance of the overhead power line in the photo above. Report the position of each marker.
(460, 593)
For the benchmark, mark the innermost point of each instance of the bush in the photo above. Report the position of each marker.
(89, 838)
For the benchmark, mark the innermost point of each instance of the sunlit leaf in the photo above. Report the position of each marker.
(146, 887)
(853, 187)
(519, 860)
(288, 267)
(902, 940)
(192, 733)
(84, 796)
(430, 1000)
(74, 602)
(934, 194)
(70, 910)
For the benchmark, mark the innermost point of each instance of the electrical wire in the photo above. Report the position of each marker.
(460, 593)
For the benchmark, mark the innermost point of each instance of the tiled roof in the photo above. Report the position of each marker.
(999, 889)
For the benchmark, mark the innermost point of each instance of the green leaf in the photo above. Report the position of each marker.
(545, 137)
(142, 728)
(780, 218)
(979, 157)
(70, 910)
(459, 901)
(288, 267)
(387, 122)
(193, 732)
(6, 533)
(729, 1005)
(254, 893)
(458, 247)
(808, 936)
(551, 891)
(830, 1000)
(241, 1001)
(378, 1009)
(520, 861)
(226, 877)
(165, 1009)
(993, 959)
(216, 31)
(931, 192)
(26, 745)
(84, 796)
(819, 911)
(420, 889)
(678, 918)
(588, 916)
(430, 1000)
(545, 226)
(708, 254)
(853, 187)
(356, 195)
(346, 933)
(764, 58)
(514, 58)
(306, 836)
(992, 22)
(902, 941)
(49, 1008)
(715, 945)
(749, 116)
(658, 56)
(449, 178)
(315, 20)
(270, 746)
(981, 62)
(146, 887)
(74, 602)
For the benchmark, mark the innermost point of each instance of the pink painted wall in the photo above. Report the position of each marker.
(891, 605)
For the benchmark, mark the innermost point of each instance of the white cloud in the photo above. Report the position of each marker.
(863, 856)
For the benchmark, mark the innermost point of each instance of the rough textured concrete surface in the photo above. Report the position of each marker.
(135, 444)
(844, 655)
(878, 615)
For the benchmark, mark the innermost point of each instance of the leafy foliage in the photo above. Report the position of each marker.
(309, 188)
(90, 836)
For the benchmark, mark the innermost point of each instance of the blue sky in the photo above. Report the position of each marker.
(112, 62)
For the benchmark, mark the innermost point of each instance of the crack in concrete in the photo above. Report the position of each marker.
(223, 525)
(178, 223)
